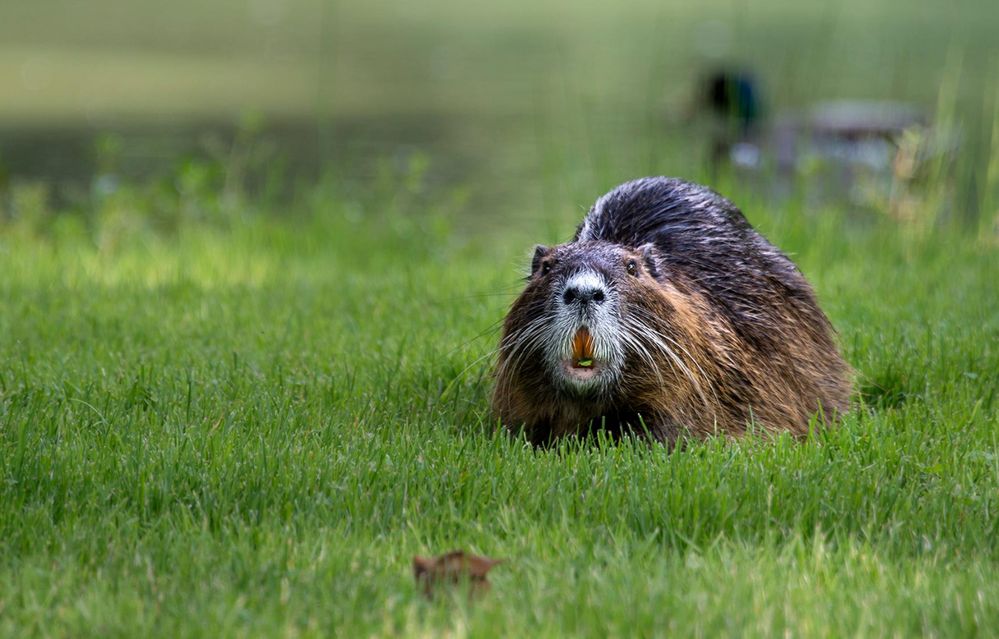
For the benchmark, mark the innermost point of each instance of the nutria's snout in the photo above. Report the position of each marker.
(583, 344)
(584, 294)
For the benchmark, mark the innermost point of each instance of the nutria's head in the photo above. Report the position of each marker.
(575, 324)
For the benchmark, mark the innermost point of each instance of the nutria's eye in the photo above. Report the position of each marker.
(632, 267)
(545, 267)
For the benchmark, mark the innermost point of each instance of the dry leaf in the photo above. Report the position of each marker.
(453, 568)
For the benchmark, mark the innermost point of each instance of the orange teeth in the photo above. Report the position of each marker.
(582, 348)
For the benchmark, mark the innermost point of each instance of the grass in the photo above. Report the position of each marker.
(230, 413)
(249, 426)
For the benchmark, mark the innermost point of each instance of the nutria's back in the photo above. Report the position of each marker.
(667, 313)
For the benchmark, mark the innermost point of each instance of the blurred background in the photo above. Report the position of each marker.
(509, 107)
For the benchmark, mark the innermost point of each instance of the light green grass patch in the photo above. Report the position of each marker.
(252, 431)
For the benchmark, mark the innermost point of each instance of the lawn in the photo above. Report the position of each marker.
(249, 425)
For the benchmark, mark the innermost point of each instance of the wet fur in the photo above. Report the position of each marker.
(718, 329)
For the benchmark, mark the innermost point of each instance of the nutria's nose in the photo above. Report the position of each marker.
(584, 293)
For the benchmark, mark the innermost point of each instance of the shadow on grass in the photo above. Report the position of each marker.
(889, 388)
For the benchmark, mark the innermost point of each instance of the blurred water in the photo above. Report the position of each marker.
(497, 95)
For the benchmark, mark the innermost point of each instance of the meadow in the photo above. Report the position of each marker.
(246, 426)
(237, 397)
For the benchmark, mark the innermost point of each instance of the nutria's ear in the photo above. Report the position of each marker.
(540, 252)
(650, 256)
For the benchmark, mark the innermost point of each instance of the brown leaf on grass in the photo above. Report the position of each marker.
(453, 568)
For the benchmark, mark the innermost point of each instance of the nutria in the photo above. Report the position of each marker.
(666, 315)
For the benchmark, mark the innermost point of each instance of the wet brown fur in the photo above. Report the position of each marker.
(726, 379)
